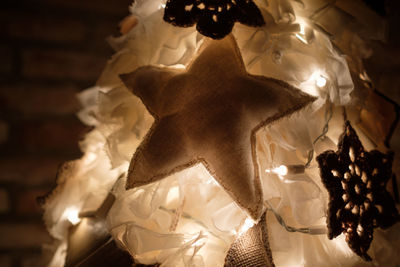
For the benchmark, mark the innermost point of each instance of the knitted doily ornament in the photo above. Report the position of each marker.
(214, 18)
(358, 200)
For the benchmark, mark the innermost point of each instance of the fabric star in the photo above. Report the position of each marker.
(214, 18)
(356, 181)
(209, 114)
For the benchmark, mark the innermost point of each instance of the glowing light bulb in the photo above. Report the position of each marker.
(302, 33)
(320, 81)
(199, 243)
(89, 157)
(211, 181)
(248, 223)
(72, 215)
(281, 170)
(302, 29)
(178, 66)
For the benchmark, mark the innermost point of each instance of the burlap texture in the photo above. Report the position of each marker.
(251, 249)
(209, 114)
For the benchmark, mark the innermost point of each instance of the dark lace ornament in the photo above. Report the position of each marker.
(358, 201)
(214, 18)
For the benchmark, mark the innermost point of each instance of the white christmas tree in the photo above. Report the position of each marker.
(190, 215)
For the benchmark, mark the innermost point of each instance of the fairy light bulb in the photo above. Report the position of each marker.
(72, 215)
(320, 81)
(248, 223)
(281, 170)
(302, 29)
(301, 35)
(284, 170)
(173, 195)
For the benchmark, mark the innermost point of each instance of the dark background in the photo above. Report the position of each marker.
(49, 51)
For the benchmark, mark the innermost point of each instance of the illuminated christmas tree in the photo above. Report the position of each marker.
(233, 133)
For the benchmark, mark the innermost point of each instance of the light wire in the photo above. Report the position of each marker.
(325, 129)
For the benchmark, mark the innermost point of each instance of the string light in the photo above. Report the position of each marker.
(301, 34)
(89, 157)
(317, 80)
(178, 66)
(173, 194)
(314, 230)
(72, 215)
(325, 129)
(340, 243)
(281, 170)
(284, 170)
(248, 223)
(320, 81)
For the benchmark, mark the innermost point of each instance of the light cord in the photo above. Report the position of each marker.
(325, 129)
(318, 230)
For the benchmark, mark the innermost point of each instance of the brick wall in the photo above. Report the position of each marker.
(49, 51)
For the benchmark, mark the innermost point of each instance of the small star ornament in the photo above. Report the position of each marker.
(209, 114)
(214, 18)
(358, 200)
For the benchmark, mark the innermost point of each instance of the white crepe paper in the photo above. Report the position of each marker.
(187, 219)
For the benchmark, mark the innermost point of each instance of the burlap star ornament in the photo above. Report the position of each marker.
(209, 113)
(358, 200)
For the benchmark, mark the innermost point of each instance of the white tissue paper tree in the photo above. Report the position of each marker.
(189, 217)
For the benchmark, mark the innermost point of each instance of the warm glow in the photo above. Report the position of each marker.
(317, 81)
(248, 223)
(281, 170)
(72, 215)
(178, 66)
(340, 243)
(320, 81)
(301, 38)
(173, 194)
(301, 34)
(302, 29)
(89, 157)
(212, 181)
(199, 241)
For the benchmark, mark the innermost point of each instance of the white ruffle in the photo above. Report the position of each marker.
(187, 219)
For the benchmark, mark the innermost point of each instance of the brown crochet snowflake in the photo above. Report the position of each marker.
(214, 18)
(358, 201)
